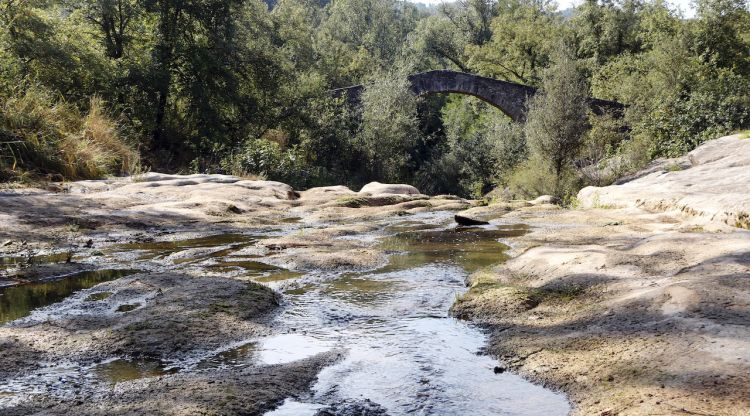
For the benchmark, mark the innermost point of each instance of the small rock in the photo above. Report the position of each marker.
(498, 369)
(7, 243)
(89, 243)
(234, 209)
(462, 220)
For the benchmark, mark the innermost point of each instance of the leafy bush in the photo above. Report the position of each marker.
(717, 106)
(558, 117)
(536, 176)
(265, 159)
(598, 162)
(390, 128)
(482, 149)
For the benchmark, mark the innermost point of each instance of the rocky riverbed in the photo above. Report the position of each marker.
(638, 303)
(210, 294)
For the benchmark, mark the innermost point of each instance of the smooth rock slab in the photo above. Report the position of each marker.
(377, 188)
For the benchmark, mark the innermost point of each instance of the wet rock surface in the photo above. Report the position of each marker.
(351, 408)
(239, 295)
(248, 297)
(467, 221)
(630, 311)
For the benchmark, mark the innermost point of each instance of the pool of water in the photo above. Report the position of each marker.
(18, 301)
(125, 369)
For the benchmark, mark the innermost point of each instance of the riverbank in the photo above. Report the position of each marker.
(634, 303)
(637, 304)
(155, 294)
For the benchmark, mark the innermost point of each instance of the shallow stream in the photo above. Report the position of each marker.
(401, 349)
(404, 351)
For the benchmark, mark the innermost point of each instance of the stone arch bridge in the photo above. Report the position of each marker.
(509, 97)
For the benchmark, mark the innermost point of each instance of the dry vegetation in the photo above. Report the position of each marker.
(51, 139)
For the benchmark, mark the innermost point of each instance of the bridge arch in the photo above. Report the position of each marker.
(508, 97)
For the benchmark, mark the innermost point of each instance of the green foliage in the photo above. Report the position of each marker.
(598, 161)
(715, 107)
(557, 118)
(482, 149)
(518, 51)
(238, 86)
(264, 158)
(360, 38)
(389, 127)
(536, 177)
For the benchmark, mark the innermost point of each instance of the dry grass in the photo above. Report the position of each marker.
(42, 137)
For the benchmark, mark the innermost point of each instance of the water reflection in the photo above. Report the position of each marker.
(470, 248)
(123, 369)
(403, 350)
(18, 301)
(239, 356)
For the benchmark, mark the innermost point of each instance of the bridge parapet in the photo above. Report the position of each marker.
(509, 97)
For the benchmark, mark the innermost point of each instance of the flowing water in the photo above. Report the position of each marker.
(401, 349)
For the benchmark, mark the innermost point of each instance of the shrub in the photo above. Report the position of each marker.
(265, 159)
(597, 162)
(536, 177)
(40, 136)
(557, 118)
(390, 128)
(717, 106)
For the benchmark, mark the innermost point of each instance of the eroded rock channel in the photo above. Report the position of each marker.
(326, 303)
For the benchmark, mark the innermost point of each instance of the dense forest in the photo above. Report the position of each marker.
(90, 88)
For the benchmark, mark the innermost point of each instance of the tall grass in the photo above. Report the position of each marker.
(52, 139)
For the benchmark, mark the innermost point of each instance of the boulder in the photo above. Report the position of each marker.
(326, 193)
(377, 188)
(713, 187)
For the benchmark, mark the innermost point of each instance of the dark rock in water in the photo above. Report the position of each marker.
(499, 369)
(353, 408)
(461, 220)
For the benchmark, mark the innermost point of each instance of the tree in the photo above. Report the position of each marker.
(390, 128)
(524, 35)
(607, 28)
(113, 18)
(721, 24)
(557, 117)
(361, 38)
(437, 43)
(473, 18)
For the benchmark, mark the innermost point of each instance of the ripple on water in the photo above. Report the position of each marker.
(236, 357)
(403, 350)
(285, 348)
